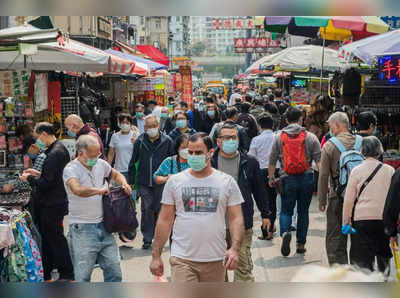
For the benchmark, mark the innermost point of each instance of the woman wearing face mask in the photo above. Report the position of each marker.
(121, 144)
(174, 164)
(182, 126)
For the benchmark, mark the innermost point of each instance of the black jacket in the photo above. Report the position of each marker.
(392, 206)
(204, 123)
(249, 123)
(50, 185)
(251, 184)
(168, 126)
(150, 156)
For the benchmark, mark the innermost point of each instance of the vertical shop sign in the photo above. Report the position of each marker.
(187, 92)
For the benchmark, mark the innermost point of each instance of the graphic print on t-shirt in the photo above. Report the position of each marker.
(200, 199)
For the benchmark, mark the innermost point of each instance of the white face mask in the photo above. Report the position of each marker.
(152, 132)
(177, 111)
(184, 153)
(125, 127)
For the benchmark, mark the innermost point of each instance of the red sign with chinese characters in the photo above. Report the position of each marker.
(250, 24)
(239, 24)
(187, 88)
(239, 43)
(217, 24)
(251, 42)
(262, 42)
(389, 68)
(228, 24)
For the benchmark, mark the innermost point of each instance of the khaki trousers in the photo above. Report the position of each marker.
(189, 271)
(244, 272)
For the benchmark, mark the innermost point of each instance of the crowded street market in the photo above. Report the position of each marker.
(134, 160)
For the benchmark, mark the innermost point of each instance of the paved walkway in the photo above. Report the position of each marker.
(269, 264)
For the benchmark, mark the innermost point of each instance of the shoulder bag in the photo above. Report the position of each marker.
(119, 212)
(363, 186)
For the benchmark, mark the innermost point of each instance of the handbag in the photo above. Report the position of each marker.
(119, 212)
(363, 186)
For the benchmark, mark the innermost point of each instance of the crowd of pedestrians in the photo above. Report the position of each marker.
(197, 173)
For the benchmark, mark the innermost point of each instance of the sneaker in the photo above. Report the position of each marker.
(285, 248)
(292, 229)
(301, 249)
(146, 246)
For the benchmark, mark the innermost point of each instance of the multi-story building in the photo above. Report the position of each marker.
(151, 31)
(4, 22)
(179, 35)
(93, 30)
(218, 41)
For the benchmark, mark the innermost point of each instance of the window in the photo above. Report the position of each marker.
(142, 20)
(178, 19)
(142, 40)
(158, 23)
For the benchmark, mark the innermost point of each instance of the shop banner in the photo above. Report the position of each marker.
(54, 103)
(228, 24)
(251, 43)
(187, 92)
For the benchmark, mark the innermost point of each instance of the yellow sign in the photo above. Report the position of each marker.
(159, 86)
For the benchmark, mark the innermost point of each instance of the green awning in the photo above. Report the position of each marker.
(43, 22)
(312, 21)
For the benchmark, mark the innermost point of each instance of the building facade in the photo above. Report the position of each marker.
(217, 42)
(179, 37)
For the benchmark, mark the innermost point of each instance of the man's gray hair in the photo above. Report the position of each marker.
(340, 117)
(371, 147)
(151, 116)
(85, 141)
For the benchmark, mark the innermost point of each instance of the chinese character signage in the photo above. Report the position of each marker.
(251, 43)
(187, 92)
(235, 24)
(389, 68)
(228, 24)
(239, 24)
(217, 24)
(258, 45)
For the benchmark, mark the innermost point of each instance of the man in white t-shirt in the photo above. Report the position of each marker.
(195, 203)
(84, 180)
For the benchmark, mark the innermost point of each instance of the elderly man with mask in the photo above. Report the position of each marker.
(84, 179)
(76, 128)
(149, 151)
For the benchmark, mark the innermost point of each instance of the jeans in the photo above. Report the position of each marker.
(89, 243)
(297, 189)
(279, 207)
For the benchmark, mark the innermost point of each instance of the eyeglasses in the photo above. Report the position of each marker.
(226, 138)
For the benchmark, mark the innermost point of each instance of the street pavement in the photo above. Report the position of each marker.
(269, 264)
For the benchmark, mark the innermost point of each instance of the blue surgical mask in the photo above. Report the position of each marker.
(139, 114)
(211, 113)
(181, 123)
(331, 134)
(375, 131)
(197, 162)
(71, 134)
(164, 115)
(41, 145)
(230, 146)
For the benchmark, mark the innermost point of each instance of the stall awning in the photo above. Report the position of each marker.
(155, 54)
(140, 62)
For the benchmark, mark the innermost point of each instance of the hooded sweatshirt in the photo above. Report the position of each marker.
(313, 149)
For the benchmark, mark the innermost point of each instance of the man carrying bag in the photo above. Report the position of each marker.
(89, 241)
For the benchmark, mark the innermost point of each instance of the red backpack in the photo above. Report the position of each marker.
(294, 153)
